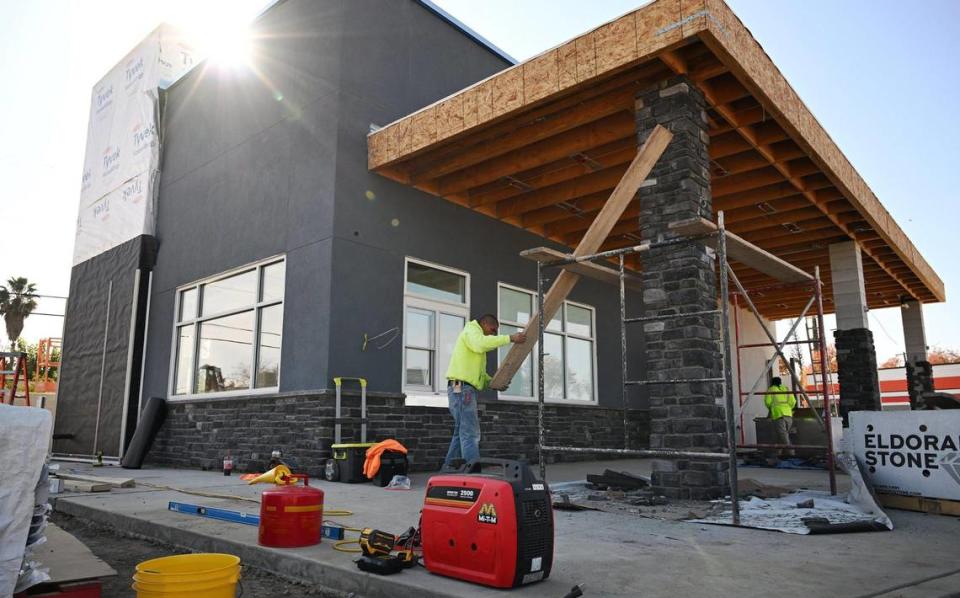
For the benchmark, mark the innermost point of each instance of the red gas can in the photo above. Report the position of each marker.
(290, 516)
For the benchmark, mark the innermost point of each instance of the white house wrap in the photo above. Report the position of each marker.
(117, 192)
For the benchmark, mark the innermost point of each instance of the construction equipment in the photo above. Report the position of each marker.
(346, 464)
(714, 236)
(214, 513)
(17, 362)
(290, 515)
(374, 542)
(494, 530)
(385, 553)
(48, 352)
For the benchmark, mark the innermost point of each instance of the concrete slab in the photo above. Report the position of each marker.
(613, 554)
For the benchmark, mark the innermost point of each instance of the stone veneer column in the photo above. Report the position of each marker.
(680, 279)
(856, 355)
(919, 370)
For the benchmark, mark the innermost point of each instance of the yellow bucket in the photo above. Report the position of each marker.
(206, 575)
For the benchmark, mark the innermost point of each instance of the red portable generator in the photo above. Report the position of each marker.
(495, 530)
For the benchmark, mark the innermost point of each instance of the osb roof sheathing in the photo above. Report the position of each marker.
(580, 86)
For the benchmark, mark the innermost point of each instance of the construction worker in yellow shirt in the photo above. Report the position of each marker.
(780, 403)
(466, 377)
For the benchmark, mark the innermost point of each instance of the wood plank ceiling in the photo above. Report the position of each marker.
(550, 168)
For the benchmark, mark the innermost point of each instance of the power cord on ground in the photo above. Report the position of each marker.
(342, 544)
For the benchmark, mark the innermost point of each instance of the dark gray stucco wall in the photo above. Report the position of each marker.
(250, 158)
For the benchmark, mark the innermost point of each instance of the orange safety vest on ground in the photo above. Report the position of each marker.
(372, 463)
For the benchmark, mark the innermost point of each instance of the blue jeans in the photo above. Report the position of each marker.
(465, 443)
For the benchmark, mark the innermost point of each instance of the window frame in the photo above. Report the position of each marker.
(562, 333)
(197, 320)
(422, 395)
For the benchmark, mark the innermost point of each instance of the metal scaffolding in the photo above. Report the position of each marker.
(726, 274)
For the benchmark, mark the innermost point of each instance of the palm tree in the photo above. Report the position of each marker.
(17, 301)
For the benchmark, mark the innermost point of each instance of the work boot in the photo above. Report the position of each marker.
(454, 467)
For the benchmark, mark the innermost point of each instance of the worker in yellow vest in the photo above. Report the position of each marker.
(466, 377)
(780, 403)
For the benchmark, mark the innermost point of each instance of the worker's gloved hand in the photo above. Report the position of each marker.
(518, 337)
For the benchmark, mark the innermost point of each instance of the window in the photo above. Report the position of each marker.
(435, 310)
(228, 331)
(569, 362)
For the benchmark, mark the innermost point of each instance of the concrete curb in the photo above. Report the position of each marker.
(285, 563)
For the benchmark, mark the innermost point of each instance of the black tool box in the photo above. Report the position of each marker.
(392, 463)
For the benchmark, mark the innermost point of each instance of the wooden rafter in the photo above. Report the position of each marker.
(624, 192)
(759, 140)
(772, 166)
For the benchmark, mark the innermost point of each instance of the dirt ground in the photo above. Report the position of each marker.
(123, 552)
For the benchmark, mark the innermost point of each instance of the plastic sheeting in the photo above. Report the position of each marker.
(857, 511)
(117, 192)
(24, 434)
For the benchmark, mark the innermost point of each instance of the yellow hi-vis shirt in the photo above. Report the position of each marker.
(780, 401)
(469, 361)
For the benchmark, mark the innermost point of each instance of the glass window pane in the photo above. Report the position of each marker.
(268, 350)
(419, 328)
(188, 304)
(450, 328)
(553, 366)
(436, 284)
(418, 368)
(271, 287)
(556, 324)
(579, 369)
(522, 383)
(231, 293)
(515, 306)
(226, 346)
(579, 321)
(184, 363)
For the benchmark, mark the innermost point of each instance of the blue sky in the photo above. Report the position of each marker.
(881, 76)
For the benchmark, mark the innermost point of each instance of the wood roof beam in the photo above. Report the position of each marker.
(562, 192)
(724, 89)
(764, 211)
(579, 206)
(754, 197)
(560, 122)
(581, 223)
(535, 121)
(737, 163)
(628, 224)
(797, 216)
(799, 167)
(742, 118)
(613, 154)
(581, 139)
(815, 228)
(803, 240)
(761, 136)
(745, 182)
(727, 144)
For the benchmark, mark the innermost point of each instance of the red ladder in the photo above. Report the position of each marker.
(18, 361)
